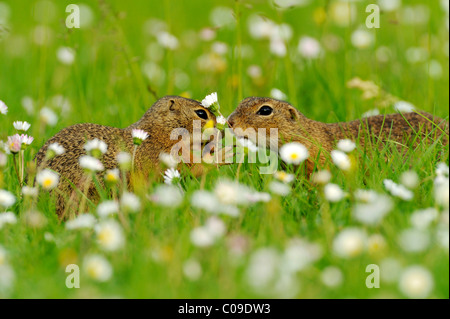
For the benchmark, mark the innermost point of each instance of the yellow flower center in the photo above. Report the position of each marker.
(47, 183)
(93, 271)
(294, 156)
(282, 175)
(105, 236)
(110, 177)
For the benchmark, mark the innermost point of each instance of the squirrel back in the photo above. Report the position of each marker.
(321, 138)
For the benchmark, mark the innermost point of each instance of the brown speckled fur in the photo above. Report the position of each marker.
(166, 114)
(320, 138)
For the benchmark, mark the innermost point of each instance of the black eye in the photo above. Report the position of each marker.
(202, 114)
(265, 110)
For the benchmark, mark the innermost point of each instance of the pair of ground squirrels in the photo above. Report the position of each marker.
(320, 138)
(171, 113)
(166, 115)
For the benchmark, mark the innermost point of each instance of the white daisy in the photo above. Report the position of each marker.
(54, 149)
(47, 179)
(97, 267)
(254, 71)
(371, 112)
(362, 39)
(209, 100)
(168, 160)
(372, 207)
(416, 282)
(257, 197)
(216, 226)
(7, 277)
(278, 47)
(442, 169)
(321, 177)
(262, 267)
(3, 107)
(25, 139)
(332, 277)
(229, 192)
(341, 160)
(350, 242)
(21, 126)
(30, 191)
(397, 190)
(404, 107)
(309, 48)
(421, 219)
(35, 219)
(202, 237)
(284, 177)
(7, 218)
(279, 188)
(107, 208)
(277, 94)
(346, 145)
(91, 164)
(409, 179)
(130, 202)
(221, 120)
(96, 147)
(124, 160)
(14, 143)
(192, 269)
(247, 144)
(171, 176)
(202, 199)
(112, 176)
(293, 153)
(109, 235)
(138, 136)
(414, 240)
(333, 193)
(83, 221)
(390, 5)
(167, 195)
(167, 40)
(65, 55)
(376, 243)
(3, 159)
(48, 116)
(441, 191)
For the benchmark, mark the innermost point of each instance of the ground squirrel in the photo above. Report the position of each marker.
(165, 115)
(320, 138)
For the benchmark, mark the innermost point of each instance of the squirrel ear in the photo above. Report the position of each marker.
(172, 105)
(294, 113)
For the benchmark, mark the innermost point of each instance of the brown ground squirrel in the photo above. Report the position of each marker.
(165, 115)
(258, 112)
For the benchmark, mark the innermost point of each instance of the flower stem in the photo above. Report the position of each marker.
(84, 195)
(16, 170)
(134, 156)
(22, 168)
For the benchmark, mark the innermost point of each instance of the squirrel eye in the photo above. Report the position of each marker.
(202, 114)
(265, 110)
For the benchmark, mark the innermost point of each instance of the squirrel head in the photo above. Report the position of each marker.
(174, 112)
(266, 113)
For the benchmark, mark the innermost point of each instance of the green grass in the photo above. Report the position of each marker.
(107, 85)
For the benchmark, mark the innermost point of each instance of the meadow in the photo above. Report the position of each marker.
(383, 221)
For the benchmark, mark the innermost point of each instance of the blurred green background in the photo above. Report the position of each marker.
(129, 53)
(120, 69)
